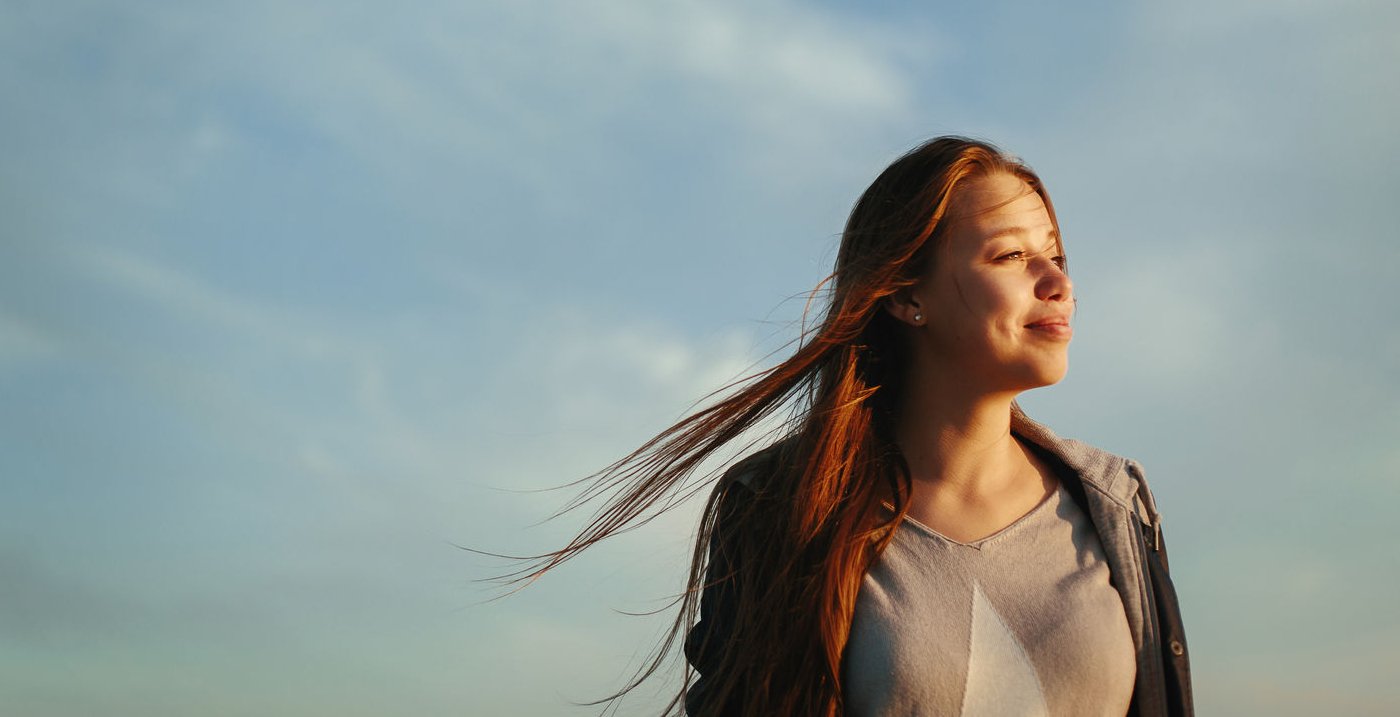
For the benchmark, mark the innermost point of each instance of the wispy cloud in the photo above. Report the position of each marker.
(293, 296)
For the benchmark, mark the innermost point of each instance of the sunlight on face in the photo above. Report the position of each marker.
(1000, 301)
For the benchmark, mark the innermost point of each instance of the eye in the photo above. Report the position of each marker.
(1012, 255)
(1059, 261)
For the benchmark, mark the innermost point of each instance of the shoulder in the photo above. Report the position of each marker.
(1107, 473)
(754, 473)
(747, 488)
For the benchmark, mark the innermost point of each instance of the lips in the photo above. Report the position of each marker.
(1056, 327)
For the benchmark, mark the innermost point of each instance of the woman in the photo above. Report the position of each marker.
(913, 543)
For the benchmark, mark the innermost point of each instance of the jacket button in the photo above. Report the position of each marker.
(1177, 648)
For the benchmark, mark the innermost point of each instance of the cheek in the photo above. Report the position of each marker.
(991, 302)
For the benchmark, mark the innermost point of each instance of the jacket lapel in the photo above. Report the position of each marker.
(1107, 492)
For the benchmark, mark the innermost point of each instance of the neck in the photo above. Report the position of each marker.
(958, 441)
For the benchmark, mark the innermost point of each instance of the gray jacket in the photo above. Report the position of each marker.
(1114, 493)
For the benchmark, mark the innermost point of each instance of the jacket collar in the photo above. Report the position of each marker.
(1109, 474)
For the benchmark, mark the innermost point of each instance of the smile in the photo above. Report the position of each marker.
(1058, 329)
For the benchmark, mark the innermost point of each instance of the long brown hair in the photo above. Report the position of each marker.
(809, 522)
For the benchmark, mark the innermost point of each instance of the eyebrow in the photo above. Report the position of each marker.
(1019, 232)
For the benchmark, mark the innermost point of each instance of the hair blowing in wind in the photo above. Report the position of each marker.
(811, 514)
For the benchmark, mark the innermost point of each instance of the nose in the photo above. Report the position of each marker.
(1054, 284)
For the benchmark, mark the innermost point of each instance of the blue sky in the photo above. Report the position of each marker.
(293, 298)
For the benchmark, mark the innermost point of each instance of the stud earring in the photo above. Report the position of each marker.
(918, 317)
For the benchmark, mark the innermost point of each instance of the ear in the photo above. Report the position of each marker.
(904, 305)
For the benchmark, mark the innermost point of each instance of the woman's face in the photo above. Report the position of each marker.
(997, 302)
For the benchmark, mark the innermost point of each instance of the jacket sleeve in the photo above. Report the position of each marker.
(706, 642)
(1175, 658)
(1174, 655)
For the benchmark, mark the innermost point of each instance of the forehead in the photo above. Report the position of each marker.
(997, 204)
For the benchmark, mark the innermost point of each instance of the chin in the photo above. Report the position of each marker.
(1040, 376)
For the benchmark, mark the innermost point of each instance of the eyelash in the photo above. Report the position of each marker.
(1018, 254)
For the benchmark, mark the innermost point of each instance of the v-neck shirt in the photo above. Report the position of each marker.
(1022, 622)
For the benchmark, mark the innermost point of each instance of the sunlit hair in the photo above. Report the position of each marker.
(800, 534)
